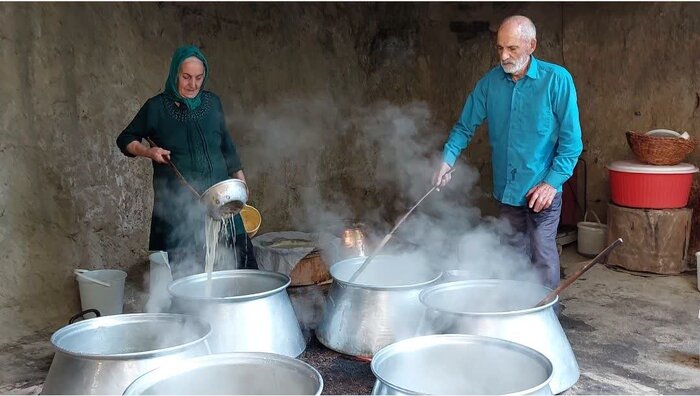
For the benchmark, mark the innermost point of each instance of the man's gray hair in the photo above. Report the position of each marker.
(526, 28)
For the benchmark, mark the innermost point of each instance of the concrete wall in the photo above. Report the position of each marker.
(311, 84)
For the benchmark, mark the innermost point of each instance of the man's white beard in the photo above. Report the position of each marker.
(518, 65)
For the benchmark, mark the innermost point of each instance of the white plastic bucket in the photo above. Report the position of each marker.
(592, 236)
(159, 277)
(109, 300)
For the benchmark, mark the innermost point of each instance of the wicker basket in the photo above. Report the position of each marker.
(659, 150)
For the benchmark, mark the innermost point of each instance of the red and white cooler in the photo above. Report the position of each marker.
(638, 185)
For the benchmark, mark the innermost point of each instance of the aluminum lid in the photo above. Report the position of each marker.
(634, 166)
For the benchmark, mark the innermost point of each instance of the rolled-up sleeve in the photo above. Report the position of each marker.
(569, 144)
(473, 114)
(135, 131)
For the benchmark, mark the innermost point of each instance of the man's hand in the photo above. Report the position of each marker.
(159, 155)
(540, 197)
(442, 177)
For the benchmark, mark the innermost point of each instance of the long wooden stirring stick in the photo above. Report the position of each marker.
(568, 281)
(177, 173)
(390, 234)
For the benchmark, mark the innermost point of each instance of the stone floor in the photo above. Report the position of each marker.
(632, 333)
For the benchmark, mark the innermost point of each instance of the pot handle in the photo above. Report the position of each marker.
(82, 314)
(585, 216)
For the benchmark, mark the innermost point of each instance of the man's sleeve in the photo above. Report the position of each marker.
(569, 145)
(135, 131)
(473, 115)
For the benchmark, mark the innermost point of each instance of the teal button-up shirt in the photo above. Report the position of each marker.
(533, 125)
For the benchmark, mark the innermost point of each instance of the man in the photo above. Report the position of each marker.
(535, 139)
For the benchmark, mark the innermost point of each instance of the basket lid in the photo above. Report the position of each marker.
(634, 166)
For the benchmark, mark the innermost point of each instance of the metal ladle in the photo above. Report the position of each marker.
(222, 200)
(391, 233)
(177, 173)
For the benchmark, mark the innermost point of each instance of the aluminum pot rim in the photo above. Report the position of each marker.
(216, 186)
(373, 287)
(238, 190)
(286, 281)
(174, 369)
(387, 350)
(135, 317)
(425, 294)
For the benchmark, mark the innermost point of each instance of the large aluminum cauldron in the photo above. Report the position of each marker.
(379, 308)
(456, 364)
(231, 374)
(104, 355)
(502, 309)
(249, 310)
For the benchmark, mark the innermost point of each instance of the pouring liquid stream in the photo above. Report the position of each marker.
(213, 228)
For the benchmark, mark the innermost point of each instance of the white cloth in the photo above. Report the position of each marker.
(284, 260)
(160, 276)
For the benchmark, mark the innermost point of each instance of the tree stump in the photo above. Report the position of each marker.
(655, 240)
(694, 203)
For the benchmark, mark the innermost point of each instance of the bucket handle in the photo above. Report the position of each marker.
(80, 273)
(585, 216)
(81, 314)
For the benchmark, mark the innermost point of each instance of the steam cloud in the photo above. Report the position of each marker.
(369, 164)
(389, 153)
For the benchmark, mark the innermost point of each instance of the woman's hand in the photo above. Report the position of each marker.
(159, 155)
(241, 176)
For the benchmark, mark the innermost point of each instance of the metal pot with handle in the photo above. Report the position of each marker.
(379, 308)
(504, 309)
(249, 310)
(104, 355)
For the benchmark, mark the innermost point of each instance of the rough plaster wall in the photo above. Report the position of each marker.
(66, 201)
(70, 199)
(635, 70)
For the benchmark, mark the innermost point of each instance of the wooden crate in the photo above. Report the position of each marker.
(655, 240)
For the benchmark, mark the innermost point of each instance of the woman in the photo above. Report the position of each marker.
(187, 125)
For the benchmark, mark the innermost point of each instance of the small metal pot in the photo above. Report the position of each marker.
(456, 364)
(249, 310)
(502, 309)
(231, 374)
(104, 355)
(225, 198)
(380, 308)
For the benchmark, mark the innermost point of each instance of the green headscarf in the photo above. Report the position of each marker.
(171, 91)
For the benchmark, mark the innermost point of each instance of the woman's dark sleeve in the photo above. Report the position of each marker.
(136, 131)
(233, 162)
